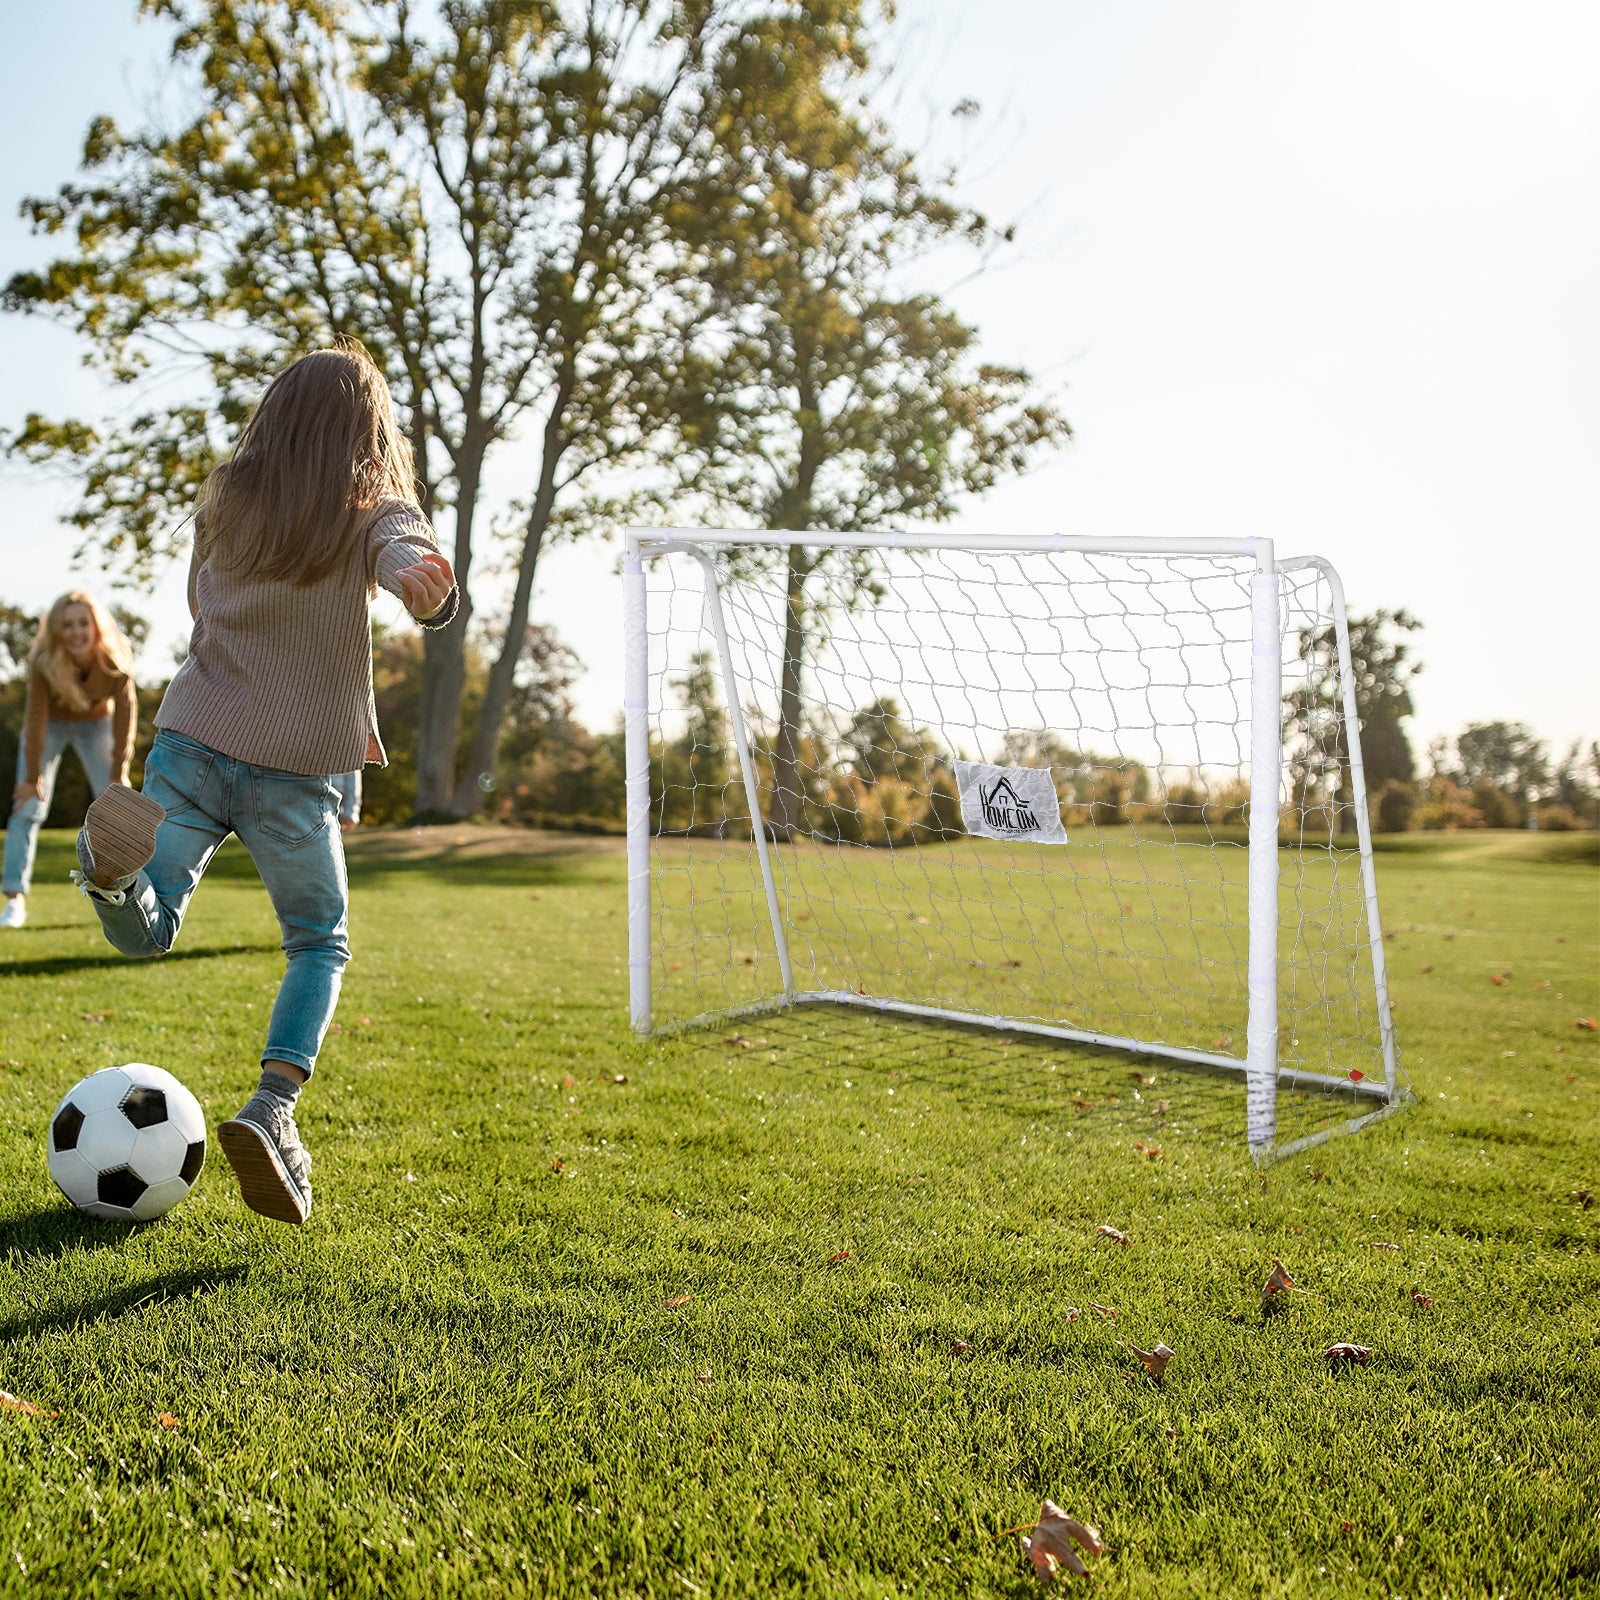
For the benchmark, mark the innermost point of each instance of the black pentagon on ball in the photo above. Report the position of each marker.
(121, 1187)
(69, 1119)
(194, 1158)
(144, 1108)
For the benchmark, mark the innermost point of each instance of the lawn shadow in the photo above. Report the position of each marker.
(54, 1230)
(52, 966)
(161, 1289)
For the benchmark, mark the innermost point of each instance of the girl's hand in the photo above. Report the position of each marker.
(425, 586)
(24, 792)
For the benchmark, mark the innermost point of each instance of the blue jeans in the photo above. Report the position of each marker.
(92, 741)
(288, 824)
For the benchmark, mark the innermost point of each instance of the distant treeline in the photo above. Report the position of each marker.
(881, 780)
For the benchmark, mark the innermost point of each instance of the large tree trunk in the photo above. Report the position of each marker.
(788, 794)
(444, 664)
(469, 794)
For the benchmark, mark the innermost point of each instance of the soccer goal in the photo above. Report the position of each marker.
(1107, 792)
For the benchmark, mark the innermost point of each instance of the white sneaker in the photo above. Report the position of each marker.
(15, 913)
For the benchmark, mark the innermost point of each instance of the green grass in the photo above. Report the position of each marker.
(464, 1376)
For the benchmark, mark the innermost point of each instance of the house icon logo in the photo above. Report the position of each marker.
(1006, 811)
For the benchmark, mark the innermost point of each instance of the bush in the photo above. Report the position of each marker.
(1559, 819)
(1396, 806)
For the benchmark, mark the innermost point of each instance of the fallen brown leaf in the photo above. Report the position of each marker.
(1142, 1077)
(1588, 1024)
(1049, 1544)
(962, 1347)
(1381, 1244)
(364, 1022)
(1424, 971)
(1103, 1311)
(838, 1255)
(569, 1082)
(1222, 1042)
(1155, 1361)
(703, 1375)
(558, 1165)
(1151, 1152)
(1160, 1108)
(1115, 1235)
(1499, 979)
(672, 1302)
(95, 1016)
(1360, 1354)
(25, 1408)
(1423, 1302)
(1544, 984)
(166, 1419)
(1072, 1313)
(1278, 1280)
(1084, 1105)
(737, 1041)
(1583, 1197)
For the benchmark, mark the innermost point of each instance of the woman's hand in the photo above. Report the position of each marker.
(426, 586)
(26, 791)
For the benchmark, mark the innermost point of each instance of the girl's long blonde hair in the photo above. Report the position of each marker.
(49, 655)
(320, 452)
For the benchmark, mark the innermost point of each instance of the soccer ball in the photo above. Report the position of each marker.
(127, 1143)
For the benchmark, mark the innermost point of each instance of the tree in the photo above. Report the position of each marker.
(830, 396)
(1505, 756)
(1383, 671)
(482, 199)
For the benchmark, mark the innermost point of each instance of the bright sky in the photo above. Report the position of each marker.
(1324, 273)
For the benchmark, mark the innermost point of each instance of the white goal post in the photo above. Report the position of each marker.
(1102, 791)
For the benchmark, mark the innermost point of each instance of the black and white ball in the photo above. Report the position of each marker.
(127, 1143)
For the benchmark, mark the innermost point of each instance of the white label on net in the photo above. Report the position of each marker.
(1010, 803)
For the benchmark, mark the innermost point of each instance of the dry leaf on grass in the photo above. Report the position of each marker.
(25, 1408)
(1155, 1361)
(95, 1016)
(1423, 1302)
(1084, 1105)
(1222, 1042)
(166, 1419)
(1381, 1244)
(837, 1256)
(1277, 1281)
(1115, 1235)
(1588, 1024)
(1049, 1544)
(1160, 1108)
(962, 1347)
(558, 1165)
(672, 1302)
(737, 1041)
(703, 1375)
(1103, 1311)
(1151, 1152)
(569, 1082)
(1359, 1354)
(1583, 1197)
(1072, 1313)
(1499, 979)
(1146, 1078)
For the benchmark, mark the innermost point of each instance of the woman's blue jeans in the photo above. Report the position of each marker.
(92, 740)
(289, 825)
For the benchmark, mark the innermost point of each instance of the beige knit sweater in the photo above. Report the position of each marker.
(281, 676)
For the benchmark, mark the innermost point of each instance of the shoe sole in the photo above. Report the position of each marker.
(122, 827)
(263, 1183)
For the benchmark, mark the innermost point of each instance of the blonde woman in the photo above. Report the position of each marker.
(80, 697)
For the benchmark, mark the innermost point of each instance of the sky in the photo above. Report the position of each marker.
(1326, 273)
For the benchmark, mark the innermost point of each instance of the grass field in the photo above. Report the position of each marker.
(576, 1315)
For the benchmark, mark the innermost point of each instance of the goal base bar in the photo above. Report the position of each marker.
(1290, 1076)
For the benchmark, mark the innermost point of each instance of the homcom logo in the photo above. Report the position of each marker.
(1006, 811)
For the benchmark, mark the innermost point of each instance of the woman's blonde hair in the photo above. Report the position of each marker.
(320, 452)
(49, 655)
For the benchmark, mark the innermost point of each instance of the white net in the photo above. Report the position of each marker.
(1006, 787)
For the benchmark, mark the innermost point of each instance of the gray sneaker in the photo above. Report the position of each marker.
(263, 1147)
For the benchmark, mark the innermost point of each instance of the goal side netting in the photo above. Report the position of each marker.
(1103, 793)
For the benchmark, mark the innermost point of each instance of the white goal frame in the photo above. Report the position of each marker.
(1260, 1066)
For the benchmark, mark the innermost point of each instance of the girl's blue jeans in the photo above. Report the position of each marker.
(92, 741)
(289, 825)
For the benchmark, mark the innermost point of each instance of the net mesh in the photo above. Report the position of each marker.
(863, 679)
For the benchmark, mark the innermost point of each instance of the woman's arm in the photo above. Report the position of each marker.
(124, 721)
(35, 715)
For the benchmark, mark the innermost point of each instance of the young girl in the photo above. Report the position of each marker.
(295, 534)
(80, 697)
